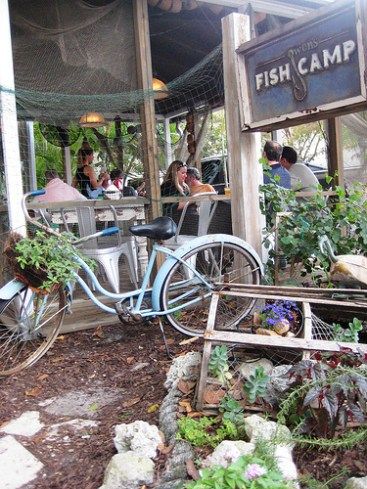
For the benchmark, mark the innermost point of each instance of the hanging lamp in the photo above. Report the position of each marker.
(92, 119)
(160, 89)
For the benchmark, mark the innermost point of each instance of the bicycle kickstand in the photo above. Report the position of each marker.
(164, 337)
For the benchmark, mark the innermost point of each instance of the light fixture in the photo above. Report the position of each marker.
(92, 119)
(160, 89)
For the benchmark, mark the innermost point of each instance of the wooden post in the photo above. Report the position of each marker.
(118, 143)
(244, 150)
(167, 143)
(147, 113)
(9, 126)
(31, 156)
(66, 159)
(335, 151)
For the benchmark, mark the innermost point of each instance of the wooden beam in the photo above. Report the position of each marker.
(147, 112)
(335, 151)
(244, 149)
(282, 342)
(9, 126)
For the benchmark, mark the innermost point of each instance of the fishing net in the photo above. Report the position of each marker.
(76, 56)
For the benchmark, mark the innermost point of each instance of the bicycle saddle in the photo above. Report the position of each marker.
(160, 229)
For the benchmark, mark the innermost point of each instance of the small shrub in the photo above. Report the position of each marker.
(248, 472)
(206, 431)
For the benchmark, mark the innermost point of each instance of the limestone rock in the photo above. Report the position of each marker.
(28, 424)
(227, 452)
(356, 483)
(248, 368)
(128, 471)
(17, 465)
(139, 437)
(257, 428)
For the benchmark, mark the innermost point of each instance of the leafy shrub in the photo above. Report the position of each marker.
(343, 220)
(232, 411)
(248, 472)
(206, 431)
(351, 334)
(326, 394)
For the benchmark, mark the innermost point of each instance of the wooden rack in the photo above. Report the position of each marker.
(306, 344)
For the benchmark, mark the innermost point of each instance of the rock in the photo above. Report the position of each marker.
(139, 437)
(279, 383)
(17, 465)
(184, 367)
(128, 471)
(28, 424)
(356, 483)
(227, 452)
(248, 368)
(284, 460)
(257, 428)
(176, 484)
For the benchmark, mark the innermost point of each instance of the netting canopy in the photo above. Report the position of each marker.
(67, 53)
(75, 56)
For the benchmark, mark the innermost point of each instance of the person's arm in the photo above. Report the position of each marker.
(89, 172)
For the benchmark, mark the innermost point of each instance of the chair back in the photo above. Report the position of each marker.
(87, 225)
(206, 209)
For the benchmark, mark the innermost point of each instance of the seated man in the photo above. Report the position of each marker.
(193, 181)
(276, 173)
(57, 190)
(302, 177)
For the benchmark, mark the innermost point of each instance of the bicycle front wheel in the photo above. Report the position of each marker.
(218, 263)
(29, 324)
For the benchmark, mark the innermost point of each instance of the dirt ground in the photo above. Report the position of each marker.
(110, 376)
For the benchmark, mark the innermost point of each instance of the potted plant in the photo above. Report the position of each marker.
(43, 262)
(280, 317)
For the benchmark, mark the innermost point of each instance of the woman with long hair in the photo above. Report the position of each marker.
(174, 185)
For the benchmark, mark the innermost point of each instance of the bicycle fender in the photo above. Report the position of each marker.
(10, 289)
(185, 248)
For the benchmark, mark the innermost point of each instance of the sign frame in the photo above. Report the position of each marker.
(290, 34)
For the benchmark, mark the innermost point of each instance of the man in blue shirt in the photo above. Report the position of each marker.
(276, 173)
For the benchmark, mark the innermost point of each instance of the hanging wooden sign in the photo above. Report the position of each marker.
(311, 68)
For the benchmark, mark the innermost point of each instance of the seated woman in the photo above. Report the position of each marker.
(85, 178)
(174, 184)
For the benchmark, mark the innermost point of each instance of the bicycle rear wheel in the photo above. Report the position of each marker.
(218, 262)
(29, 324)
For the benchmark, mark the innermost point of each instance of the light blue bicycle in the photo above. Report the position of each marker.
(181, 292)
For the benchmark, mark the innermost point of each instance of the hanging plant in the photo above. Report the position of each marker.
(43, 261)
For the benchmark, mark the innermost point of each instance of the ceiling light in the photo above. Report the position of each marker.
(92, 119)
(160, 89)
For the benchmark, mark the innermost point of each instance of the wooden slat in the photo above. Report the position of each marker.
(206, 353)
(296, 291)
(281, 342)
(85, 315)
(296, 298)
